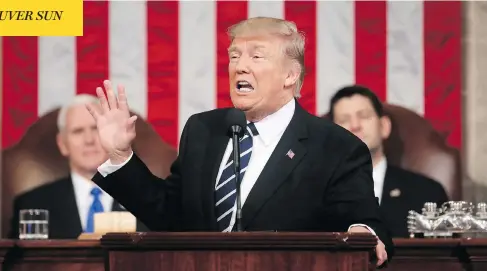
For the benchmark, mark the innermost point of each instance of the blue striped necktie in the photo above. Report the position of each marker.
(96, 207)
(225, 191)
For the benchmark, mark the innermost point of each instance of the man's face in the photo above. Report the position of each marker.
(79, 141)
(258, 70)
(357, 114)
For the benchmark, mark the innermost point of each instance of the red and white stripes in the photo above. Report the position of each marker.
(172, 58)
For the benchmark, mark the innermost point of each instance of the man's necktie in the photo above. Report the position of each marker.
(225, 191)
(96, 207)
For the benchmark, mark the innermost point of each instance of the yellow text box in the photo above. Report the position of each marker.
(41, 17)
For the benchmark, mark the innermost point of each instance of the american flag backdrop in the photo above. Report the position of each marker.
(172, 58)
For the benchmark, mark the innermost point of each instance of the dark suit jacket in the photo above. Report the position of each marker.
(326, 186)
(58, 197)
(404, 191)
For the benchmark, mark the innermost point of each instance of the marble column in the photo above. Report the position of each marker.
(475, 101)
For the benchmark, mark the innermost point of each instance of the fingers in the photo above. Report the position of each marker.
(122, 99)
(103, 100)
(381, 253)
(131, 122)
(93, 110)
(112, 99)
(382, 258)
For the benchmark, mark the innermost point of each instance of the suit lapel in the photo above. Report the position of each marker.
(216, 148)
(391, 191)
(287, 155)
(70, 220)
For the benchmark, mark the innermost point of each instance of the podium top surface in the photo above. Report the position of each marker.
(240, 240)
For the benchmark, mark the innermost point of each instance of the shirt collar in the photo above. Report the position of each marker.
(82, 186)
(379, 170)
(273, 125)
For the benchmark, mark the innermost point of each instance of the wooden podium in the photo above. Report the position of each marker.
(240, 251)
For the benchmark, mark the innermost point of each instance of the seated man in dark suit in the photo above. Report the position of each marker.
(284, 185)
(73, 200)
(358, 109)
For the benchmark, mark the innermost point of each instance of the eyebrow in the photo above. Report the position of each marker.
(365, 110)
(76, 129)
(232, 49)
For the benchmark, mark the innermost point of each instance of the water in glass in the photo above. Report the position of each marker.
(33, 224)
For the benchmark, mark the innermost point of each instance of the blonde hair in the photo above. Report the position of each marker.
(80, 99)
(294, 39)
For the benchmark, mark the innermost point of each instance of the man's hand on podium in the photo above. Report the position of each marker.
(380, 249)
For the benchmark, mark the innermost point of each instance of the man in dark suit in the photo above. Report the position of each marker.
(73, 200)
(358, 109)
(285, 186)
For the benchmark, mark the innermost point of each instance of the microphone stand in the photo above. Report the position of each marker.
(236, 168)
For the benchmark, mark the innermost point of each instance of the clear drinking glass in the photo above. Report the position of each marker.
(33, 224)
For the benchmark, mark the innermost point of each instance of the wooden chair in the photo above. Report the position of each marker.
(415, 145)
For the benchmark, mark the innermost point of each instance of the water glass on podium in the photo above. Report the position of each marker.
(33, 224)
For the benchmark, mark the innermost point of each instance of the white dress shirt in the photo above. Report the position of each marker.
(84, 198)
(270, 131)
(379, 174)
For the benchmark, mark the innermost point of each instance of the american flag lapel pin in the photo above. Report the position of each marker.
(290, 154)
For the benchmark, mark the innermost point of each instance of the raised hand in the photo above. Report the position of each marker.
(116, 127)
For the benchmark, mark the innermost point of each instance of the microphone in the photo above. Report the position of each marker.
(237, 123)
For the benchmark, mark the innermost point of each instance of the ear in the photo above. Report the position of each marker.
(293, 74)
(385, 127)
(62, 145)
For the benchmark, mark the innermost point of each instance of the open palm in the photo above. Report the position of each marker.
(116, 127)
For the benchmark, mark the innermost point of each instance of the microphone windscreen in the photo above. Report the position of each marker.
(236, 117)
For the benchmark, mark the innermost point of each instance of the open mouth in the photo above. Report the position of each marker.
(244, 86)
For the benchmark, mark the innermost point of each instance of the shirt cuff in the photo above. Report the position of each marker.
(365, 226)
(108, 168)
